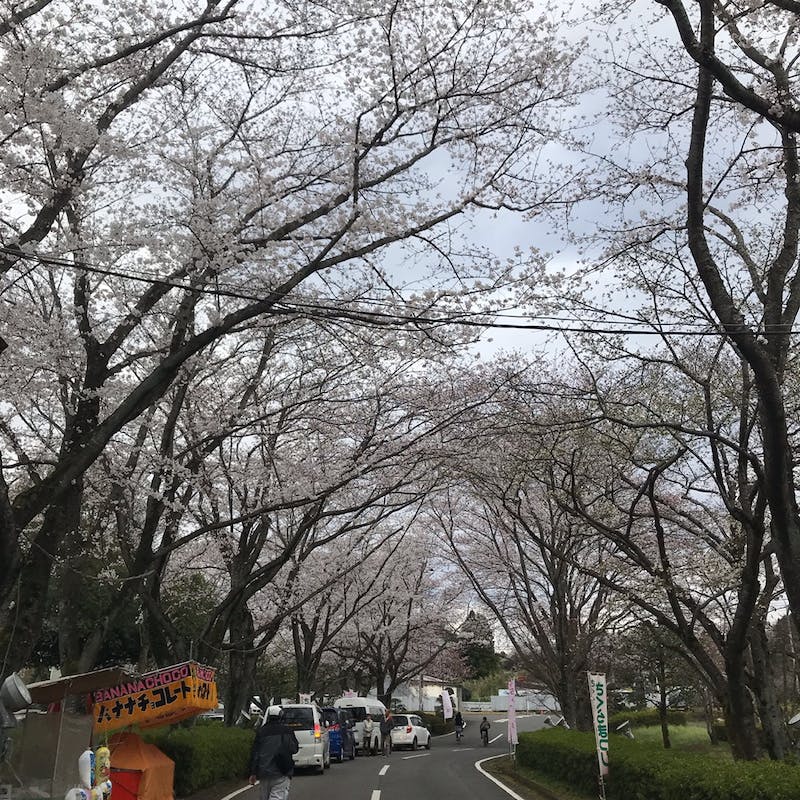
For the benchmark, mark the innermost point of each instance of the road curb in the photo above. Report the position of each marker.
(492, 778)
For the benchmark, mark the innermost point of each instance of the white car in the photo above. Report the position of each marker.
(410, 731)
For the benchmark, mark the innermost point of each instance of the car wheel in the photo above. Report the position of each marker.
(428, 745)
(320, 769)
(414, 744)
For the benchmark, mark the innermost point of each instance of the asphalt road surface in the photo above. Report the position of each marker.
(445, 772)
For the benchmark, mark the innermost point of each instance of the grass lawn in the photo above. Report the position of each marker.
(692, 736)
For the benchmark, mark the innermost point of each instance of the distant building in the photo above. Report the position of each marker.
(430, 690)
(534, 700)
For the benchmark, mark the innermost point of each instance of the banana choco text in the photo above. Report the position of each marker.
(156, 698)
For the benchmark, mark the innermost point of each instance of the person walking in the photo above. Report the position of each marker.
(271, 761)
(366, 736)
(387, 723)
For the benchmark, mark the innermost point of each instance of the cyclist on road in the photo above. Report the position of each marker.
(458, 721)
(485, 725)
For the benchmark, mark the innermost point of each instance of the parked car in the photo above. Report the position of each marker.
(216, 714)
(308, 724)
(359, 707)
(410, 731)
(340, 724)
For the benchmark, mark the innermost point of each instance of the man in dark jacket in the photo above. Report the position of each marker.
(271, 760)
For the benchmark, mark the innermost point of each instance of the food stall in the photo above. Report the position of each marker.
(70, 715)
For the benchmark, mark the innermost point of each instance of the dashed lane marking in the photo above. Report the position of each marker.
(384, 769)
(376, 794)
(416, 755)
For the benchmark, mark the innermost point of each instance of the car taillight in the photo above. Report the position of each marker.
(317, 731)
(408, 729)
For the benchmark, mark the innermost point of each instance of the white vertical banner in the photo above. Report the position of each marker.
(447, 706)
(512, 712)
(598, 697)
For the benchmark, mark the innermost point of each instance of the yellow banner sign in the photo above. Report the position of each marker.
(156, 698)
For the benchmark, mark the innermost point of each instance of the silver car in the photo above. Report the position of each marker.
(308, 725)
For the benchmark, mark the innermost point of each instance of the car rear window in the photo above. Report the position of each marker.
(300, 718)
(330, 715)
(400, 719)
(359, 713)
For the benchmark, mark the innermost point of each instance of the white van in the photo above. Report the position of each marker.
(359, 707)
(312, 735)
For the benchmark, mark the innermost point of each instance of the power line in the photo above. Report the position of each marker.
(386, 319)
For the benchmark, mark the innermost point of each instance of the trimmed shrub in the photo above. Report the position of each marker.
(639, 771)
(204, 755)
(436, 724)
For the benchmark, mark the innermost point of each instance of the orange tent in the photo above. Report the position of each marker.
(139, 771)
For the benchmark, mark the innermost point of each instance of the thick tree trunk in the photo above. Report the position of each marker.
(776, 739)
(35, 574)
(740, 719)
(242, 662)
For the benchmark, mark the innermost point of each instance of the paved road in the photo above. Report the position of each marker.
(445, 772)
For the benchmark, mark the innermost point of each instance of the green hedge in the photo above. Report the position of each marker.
(204, 755)
(640, 771)
(436, 724)
(646, 718)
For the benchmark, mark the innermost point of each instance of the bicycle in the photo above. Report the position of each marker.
(485, 736)
(459, 733)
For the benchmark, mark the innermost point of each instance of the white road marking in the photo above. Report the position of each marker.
(238, 791)
(376, 794)
(384, 769)
(499, 736)
(418, 755)
(492, 778)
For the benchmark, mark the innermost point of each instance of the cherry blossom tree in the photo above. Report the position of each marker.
(173, 177)
(405, 627)
(710, 92)
(674, 484)
(656, 452)
(523, 557)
